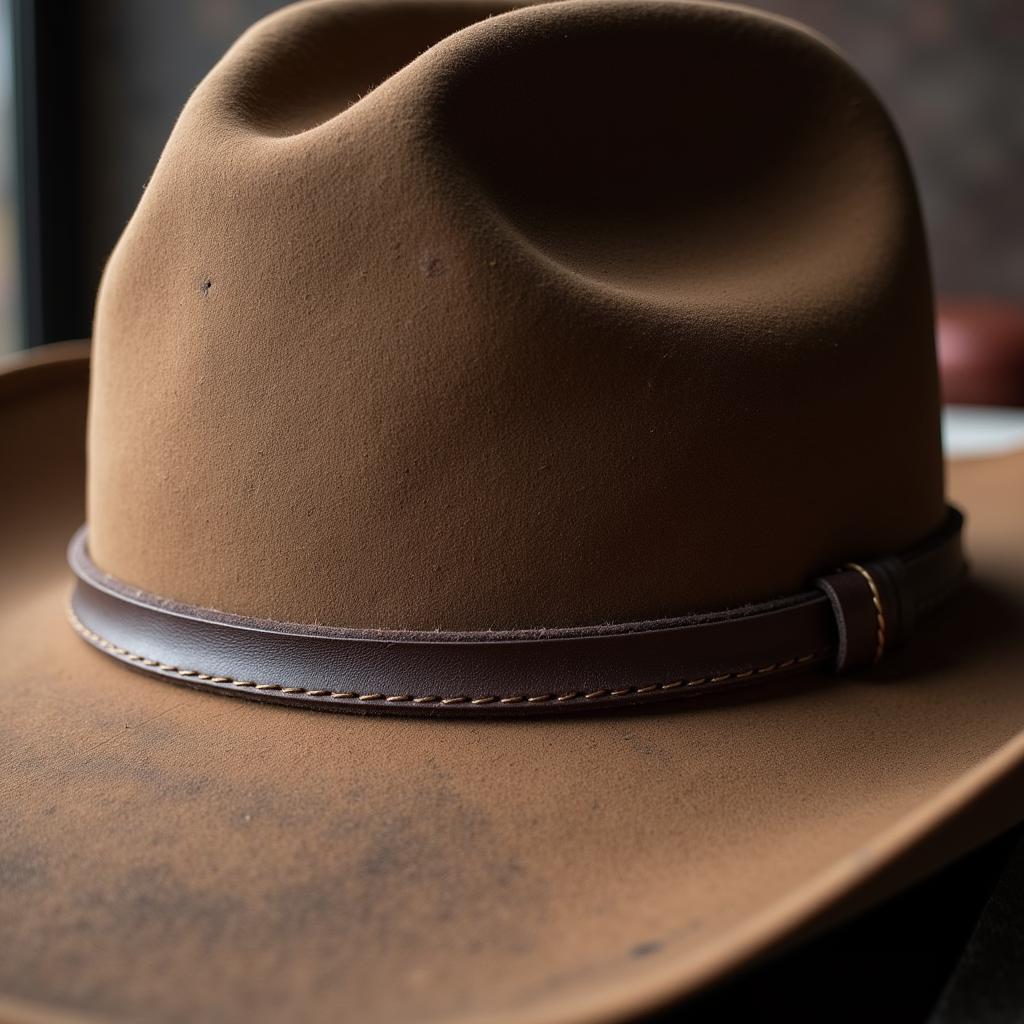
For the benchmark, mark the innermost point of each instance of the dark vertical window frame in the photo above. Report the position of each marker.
(48, 91)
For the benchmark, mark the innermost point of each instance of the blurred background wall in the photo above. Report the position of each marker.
(111, 76)
(10, 319)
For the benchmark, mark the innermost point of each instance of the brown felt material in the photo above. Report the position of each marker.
(170, 855)
(592, 312)
(587, 312)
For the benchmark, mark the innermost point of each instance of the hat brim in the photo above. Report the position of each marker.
(168, 854)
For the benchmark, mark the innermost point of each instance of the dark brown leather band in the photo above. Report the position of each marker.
(848, 620)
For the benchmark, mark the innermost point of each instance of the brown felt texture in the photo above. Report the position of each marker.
(168, 855)
(580, 313)
(589, 312)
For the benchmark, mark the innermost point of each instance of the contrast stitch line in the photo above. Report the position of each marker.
(876, 601)
(190, 675)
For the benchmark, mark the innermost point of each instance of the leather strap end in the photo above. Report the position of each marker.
(859, 624)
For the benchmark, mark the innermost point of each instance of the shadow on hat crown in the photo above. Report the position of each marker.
(590, 312)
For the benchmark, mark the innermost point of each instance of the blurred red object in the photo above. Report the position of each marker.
(981, 352)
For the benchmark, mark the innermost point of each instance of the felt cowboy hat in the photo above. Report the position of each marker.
(550, 399)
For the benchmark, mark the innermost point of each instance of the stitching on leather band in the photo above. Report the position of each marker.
(876, 601)
(332, 668)
(187, 674)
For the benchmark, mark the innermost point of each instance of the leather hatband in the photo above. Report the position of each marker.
(848, 619)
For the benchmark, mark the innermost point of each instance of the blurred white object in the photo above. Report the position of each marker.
(973, 430)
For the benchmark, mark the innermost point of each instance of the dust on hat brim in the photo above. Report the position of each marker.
(168, 854)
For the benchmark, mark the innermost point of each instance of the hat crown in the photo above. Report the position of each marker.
(590, 312)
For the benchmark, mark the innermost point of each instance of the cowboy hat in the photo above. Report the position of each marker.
(550, 396)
